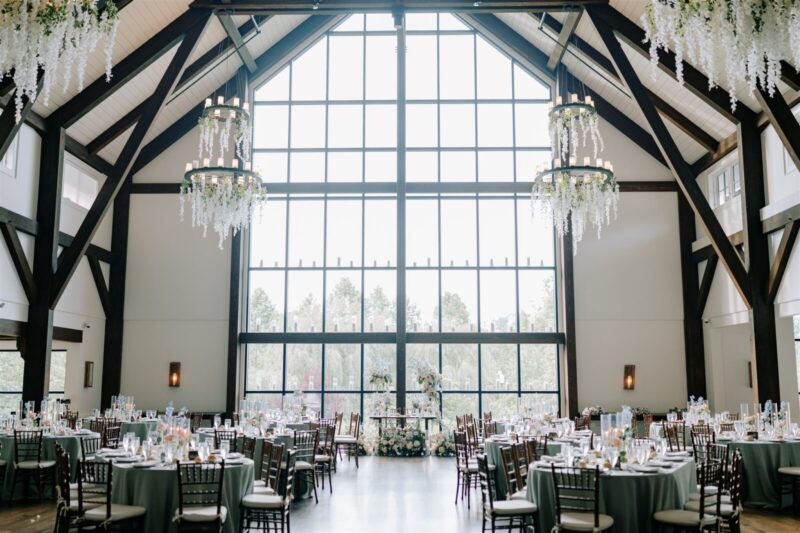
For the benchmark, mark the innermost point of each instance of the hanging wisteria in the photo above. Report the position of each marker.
(56, 35)
(571, 124)
(220, 123)
(735, 42)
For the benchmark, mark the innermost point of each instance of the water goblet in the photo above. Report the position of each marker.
(224, 449)
(78, 424)
(227, 423)
(217, 421)
(612, 455)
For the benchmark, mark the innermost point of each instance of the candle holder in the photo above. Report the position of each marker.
(174, 374)
(629, 377)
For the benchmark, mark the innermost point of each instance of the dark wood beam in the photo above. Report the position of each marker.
(19, 260)
(18, 330)
(562, 41)
(790, 76)
(705, 284)
(702, 254)
(784, 122)
(779, 220)
(681, 170)
(781, 261)
(241, 48)
(234, 325)
(725, 147)
(94, 161)
(68, 261)
(570, 330)
(100, 283)
(346, 7)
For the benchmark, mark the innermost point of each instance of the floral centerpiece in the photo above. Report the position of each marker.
(429, 381)
(592, 410)
(698, 409)
(443, 445)
(406, 441)
(380, 376)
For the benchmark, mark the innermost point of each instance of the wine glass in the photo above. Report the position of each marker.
(224, 449)
(217, 421)
(612, 455)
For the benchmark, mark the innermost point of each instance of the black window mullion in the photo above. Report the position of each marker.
(477, 222)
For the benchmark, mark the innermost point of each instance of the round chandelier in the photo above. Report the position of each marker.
(228, 193)
(56, 36)
(571, 124)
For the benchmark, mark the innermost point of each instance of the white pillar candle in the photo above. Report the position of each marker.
(574, 98)
(188, 167)
(206, 162)
(208, 102)
(587, 161)
(235, 101)
(220, 100)
(220, 162)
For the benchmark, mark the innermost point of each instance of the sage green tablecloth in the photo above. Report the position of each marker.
(492, 450)
(140, 428)
(157, 490)
(761, 460)
(629, 498)
(70, 443)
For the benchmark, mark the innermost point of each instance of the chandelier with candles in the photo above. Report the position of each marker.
(224, 193)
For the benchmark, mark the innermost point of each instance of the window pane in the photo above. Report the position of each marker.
(344, 233)
(458, 166)
(546, 403)
(496, 166)
(380, 300)
(380, 234)
(342, 403)
(421, 125)
(458, 125)
(421, 166)
(449, 22)
(343, 306)
(58, 371)
(499, 367)
(271, 126)
(271, 400)
(458, 232)
(535, 237)
(527, 161)
(454, 405)
(308, 126)
(351, 23)
(344, 166)
(346, 76)
(342, 367)
(459, 300)
(527, 86)
(305, 301)
(344, 126)
(422, 312)
(380, 22)
(308, 73)
(420, 21)
(539, 367)
(422, 223)
(268, 236)
(264, 367)
(501, 405)
(459, 367)
(379, 357)
(305, 232)
(531, 125)
(456, 66)
(303, 367)
(381, 126)
(495, 125)
(498, 301)
(277, 88)
(421, 67)
(381, 67)
(419, 353)
(307, 166)
(494, 71)
(265, 303)
(380, 166)
(497, 232)
(274, 167)
(537, 306)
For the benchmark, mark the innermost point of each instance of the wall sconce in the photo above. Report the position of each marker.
(629, 378)
(174, 374)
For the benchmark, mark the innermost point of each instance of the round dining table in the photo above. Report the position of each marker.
(761, 460)
(156, 489)
(630, 498)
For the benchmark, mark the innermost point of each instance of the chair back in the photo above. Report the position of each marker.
(71, 419)
(266, 456)
(472, 440)
(509, 470)
(489, 428)
(90, 446)
(273, 477)
(576, 490)
(27, 445)
(327, 434)
(338, 417)
(228, 435)
(726, 427)
(537, 446)
(648, 421)
(676, 435)
(583, 422)
(460, 423)
(521, 461)
(286, 483)
(94, 485)
(248, 446)
(355, 425)
(734, 481)
(462, 449)
(111, 436)
(62, 476)
(306, 444)
(196, 421)
(702, 436)
(487, 416)
(710, 477)
(487, 484)
(200, 484)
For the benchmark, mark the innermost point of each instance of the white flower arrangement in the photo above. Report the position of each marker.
(592, 410)
(380, 376)
(406, 441)
(429, 380)
(443, 445)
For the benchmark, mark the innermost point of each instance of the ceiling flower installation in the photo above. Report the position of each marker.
(56, 35)
(740, 41)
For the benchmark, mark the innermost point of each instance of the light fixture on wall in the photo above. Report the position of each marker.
(174, 374)
(629, 377)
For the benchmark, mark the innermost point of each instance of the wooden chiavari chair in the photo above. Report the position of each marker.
(466, 469)
(730, 512)
(522, 463)
(248, 446)
(473, 445)
(270, 512)
(94, 500)
(28, 462)
(514, 487)
(702, 436)
(726, 427)
(489, 429)
(111, 436)
(305, 446)
(200, 497)
(537, 447)
(262, 472)
(583, 422)
(675, 432)
(733, 417)
(323, 461)
(228, 435)
(702, 515)
(66, 497)
(90, 446)
(578, 500)
(71, 418)
(349, 442)
(460, 423)
(506, 514)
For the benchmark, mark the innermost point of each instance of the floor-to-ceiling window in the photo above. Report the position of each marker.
(479, 274)
(13, 366)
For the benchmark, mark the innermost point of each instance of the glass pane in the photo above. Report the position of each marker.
(380, 166)
(421, 125)
(381, 67)
(342, 403)
(449, 22)
(421, 67)
(351, 23)
(494, 71)
(501, 405)
(378, 404)
(498, 301)
(307, 167)
(459, 367)
(422, 239)
(499, 367)
(380, 233)
(454, 405)
(458, 125)
(422, 312)
(458, 232)
(497, 232)
(379, 358)
(305, 301)
(265, 302)
(458, 166)
(421, 166)
(537, 305)
(542, 402)
(539, 367)
(342, 367)
(427, 354)
(271, 400)
(268, 236)
(271, 126)
(527, 86)
(531, 125)
(344, 166)
(273, 167)
(381, 126)
(347, 69)
(277, 88)
(343, 306)
(420, 21)
(459, 300)
(380, 22)
(495, 125)
(303, 367)
(344, 233)
(306, 232)
(380, 300)
(308, 126)
(264, 367)
(495, 166)
(344, 126)
(527, 161)
(535, 236)
(58, 371)
(308, 73)
(456, 66)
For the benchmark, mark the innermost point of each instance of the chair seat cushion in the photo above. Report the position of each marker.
(789, 470)
(710, 489)
(322, 458)
(471, 468)
(300, 466)
(263, 501)
(695, 496)
(344, 439)
(263, 489)
(585, 521)
(118, 513)
(680, 517)
(725, 509)
(2, 463)
(35, 465)
(521, 494)
(514, 507)
(206, 513)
